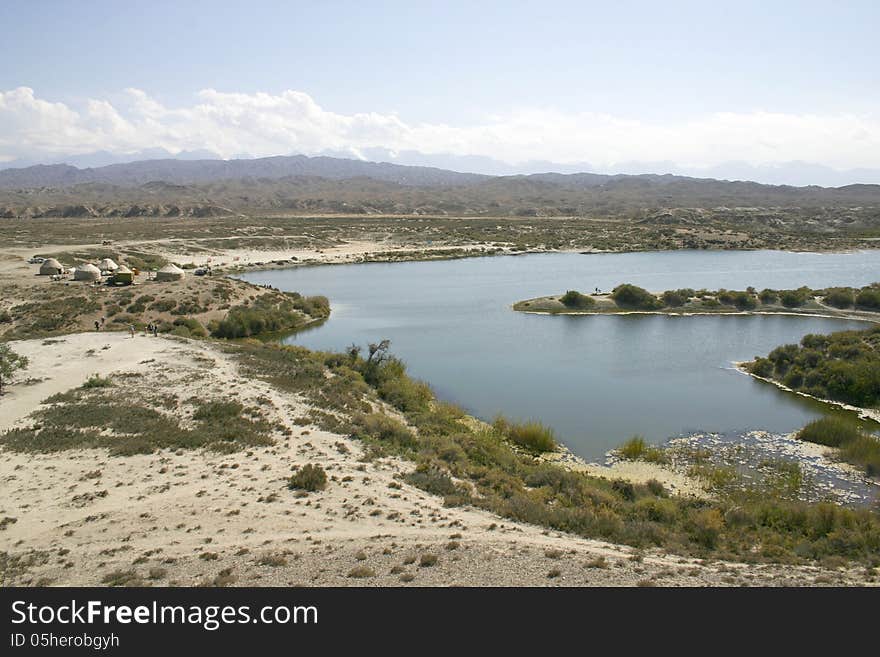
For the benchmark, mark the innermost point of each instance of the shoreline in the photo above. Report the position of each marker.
(863, 413)
(737, 313)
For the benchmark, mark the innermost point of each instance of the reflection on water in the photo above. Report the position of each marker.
(597, 380)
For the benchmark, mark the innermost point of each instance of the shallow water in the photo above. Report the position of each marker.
(595, 379)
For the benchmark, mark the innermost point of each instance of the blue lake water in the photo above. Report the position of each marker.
(595, 379)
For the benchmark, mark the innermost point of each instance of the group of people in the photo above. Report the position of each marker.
(152, 327)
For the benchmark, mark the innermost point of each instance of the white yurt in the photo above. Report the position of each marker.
(86, 272)
(169, 272)
(107, 265)
(51, 267)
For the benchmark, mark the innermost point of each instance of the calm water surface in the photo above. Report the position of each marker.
(596, 380)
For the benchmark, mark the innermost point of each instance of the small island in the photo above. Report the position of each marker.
(843, 302)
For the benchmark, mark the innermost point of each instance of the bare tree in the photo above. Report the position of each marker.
(378, 352)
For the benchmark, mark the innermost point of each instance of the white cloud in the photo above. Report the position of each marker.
(292, 122)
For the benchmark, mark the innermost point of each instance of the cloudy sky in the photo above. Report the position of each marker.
(692, 85)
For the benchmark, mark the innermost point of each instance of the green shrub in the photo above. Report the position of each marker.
(637, 449)
(839, 297)
(96, 381)
(795, 298)
(10, 362)
(433, 480)
(574, 299)
(310, 477)
(532, 436)
(188, 327)
(162, 305)
(869, 298)
(744, 301)
(762, 367)
(625, 489)
(317, 306)
(830, 431)
(863, 451)
(706, 527)
(632, 296)
(768, 296)
(855, 446)
(379, 426)
(655, 487)
(677, 298)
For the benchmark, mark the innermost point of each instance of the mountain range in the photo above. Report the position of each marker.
(157, 164)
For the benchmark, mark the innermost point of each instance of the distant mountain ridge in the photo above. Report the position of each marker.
(190, 172)
(422, 169)
(332, 184)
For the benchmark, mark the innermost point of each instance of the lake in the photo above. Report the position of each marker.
(595, 379)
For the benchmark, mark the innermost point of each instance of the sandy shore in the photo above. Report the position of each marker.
(636, 472)
(857, 316)
(196, 517)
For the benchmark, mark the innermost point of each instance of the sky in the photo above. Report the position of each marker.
(612, 85)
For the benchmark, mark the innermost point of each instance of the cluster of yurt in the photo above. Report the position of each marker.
(116, 274)
(170, 272)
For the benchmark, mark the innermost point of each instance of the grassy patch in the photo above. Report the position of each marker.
(531, 436)
(855, 446)
(637, 449)
(93, 417)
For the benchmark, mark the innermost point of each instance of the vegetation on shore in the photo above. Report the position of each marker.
(843, 367)
(854, 445)
(638, 449)
(484, 467)
(264, 315)
(10, 362)
(96, 415)
(843, 301)
(574, 299)
(229, 308)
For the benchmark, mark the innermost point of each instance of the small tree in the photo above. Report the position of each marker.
(9, 363)
(574, 299)
(377, 356)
